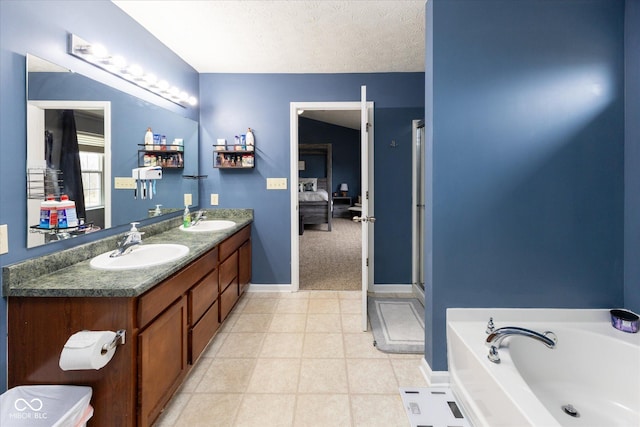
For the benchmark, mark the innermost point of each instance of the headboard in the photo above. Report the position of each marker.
(320, 149)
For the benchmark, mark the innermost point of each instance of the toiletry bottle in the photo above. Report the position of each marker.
(148, 140)
(250, 140)
(67, 216)
(186, 217)
(158, 211)
(49, 213)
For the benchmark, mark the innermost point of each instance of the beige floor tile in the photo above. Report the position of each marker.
(295, 295)
(214, 346)
(351, 323)
(288, 323)
(371, 376)
(408, 372)
(350, 295)
(324, 305)
(195, 376)
(272, 295)
(251, 322)
(316, 410)
(169, 417)
(266, 410)
(292, 305)
(210, 409)
(378, 410)
(323, 294)
(261, 305)
(241, 345)
(282, 345)
(323, 345)
(275, 376)
(330, 322)
(323, 376)
(351, 306)
(360, 345)
(226, 376)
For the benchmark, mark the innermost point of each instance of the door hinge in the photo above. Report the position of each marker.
(366, 196)
(367, 263)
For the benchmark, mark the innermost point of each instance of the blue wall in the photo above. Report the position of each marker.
(527, 115)
(40, 28)
(632, 157)
(232, 102)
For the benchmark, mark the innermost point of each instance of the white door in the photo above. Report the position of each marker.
(366, 217)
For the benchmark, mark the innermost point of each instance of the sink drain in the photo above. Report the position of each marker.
(570, 410)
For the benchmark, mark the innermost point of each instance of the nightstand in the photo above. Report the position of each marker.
(341, 207)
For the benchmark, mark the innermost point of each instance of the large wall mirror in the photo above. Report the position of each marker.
(82, 135)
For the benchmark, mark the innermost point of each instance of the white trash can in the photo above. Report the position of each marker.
(46, 406)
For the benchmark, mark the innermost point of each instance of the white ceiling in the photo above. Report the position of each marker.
(288, 36)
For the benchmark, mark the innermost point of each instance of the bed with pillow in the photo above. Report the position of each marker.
(314, 201)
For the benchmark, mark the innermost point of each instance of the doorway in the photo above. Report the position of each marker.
(364, 110)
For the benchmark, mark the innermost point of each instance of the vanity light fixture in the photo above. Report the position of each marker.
(98, 55)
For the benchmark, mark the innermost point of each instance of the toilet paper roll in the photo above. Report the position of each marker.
(83, 350)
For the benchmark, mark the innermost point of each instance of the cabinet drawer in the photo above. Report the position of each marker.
(202, 296)
(228, 271)
(155, 301)
(202, 332)
(232, 243)
(228, 299)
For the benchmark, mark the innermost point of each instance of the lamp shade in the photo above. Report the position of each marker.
(344, 187)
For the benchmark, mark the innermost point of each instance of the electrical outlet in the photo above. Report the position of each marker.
(214, 200)
(276, 183)
(4, 239)
(124, 183)
(187, 199)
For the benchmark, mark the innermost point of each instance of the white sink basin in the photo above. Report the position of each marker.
(140, 256)
(210, 225)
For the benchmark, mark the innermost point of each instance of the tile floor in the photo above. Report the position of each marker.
(294, 359)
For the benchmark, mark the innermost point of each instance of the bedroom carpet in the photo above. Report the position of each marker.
(397, 324)
(331, 260)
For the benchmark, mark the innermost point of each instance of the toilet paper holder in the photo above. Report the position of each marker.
(117, 340)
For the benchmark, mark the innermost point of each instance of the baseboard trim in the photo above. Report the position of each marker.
(434, 378)
(268, 288)
(392, 289)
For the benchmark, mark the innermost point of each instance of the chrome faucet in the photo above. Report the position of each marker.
(494, 340)
(200, 215)
(132, 238)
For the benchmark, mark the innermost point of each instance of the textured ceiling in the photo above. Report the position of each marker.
(288, 36)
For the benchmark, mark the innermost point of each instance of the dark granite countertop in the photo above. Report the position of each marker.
(73, 277)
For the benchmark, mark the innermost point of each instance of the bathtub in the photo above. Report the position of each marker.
(593, 367)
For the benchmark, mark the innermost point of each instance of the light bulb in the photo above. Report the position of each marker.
(193, 101)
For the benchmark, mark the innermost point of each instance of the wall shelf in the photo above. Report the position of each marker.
(167, 156)
(228, 157)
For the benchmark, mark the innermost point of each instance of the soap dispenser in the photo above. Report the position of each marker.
(157, 212)
(186, 217)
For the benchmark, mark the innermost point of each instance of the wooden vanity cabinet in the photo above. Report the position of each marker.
(235, 269)
(167, 328)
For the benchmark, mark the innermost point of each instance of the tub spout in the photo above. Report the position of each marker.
(494, 340)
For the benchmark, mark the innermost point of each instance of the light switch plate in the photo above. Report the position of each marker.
(124, 183)
(214, 199)
(187, 199)
(4, 239)
(276, 183)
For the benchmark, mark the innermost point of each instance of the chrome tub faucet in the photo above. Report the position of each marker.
(495, 338)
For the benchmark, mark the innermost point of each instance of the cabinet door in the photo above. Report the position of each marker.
(162, 362)
(244, 266)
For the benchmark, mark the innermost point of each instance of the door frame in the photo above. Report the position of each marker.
(417, 241)
(293, 187)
